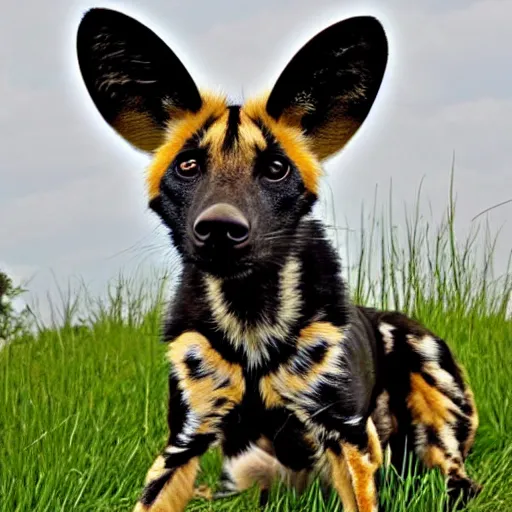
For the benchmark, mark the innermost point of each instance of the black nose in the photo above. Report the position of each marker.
(221, 223)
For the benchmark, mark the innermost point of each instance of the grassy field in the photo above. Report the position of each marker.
(83, 409)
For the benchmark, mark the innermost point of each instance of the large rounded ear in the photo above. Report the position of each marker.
(328, 88)
(135, 80)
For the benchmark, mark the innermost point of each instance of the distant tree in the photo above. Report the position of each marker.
(12, 323)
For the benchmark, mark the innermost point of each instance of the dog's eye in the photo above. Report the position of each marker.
(277, 170)
(187, 168)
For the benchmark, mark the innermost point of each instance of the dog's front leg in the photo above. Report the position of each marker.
(203, 389)
(354, 462)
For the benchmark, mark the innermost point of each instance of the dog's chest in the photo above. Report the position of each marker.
(257, 321)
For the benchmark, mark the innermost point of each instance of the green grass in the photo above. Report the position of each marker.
(83, 409)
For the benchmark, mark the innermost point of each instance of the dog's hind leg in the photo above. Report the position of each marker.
(433, 405)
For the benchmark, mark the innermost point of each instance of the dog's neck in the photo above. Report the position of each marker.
(265, 309)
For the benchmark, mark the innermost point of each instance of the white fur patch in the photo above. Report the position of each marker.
(175, 449)
(444, 380)
(192, 423)
(354, 420)
(387, 337)
(427, 346)
(449, 439)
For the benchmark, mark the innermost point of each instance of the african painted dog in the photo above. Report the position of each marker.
(268, 356)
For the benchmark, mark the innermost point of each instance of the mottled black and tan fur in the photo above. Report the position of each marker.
(268, 356)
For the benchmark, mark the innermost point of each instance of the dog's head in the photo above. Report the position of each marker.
(231, 182)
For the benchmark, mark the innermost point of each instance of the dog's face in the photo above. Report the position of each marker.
(232, 182)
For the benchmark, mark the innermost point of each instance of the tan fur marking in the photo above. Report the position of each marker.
(249, 135)
(176, 493)
(204, 492)
(428, 405)
(241, 157)
(291, 138)
(270, 397)
(184, 124)
(285, 383)
(319, 331)
(352, 472)
(362, 470)
(447, 458)
(216, 133)
(474, 420)
(332, 137)
(179, 131)
(435, 457)
(201, 394)
(294, 384)
(341, 481)
(156, 470)
(139, 129)
(374, 444)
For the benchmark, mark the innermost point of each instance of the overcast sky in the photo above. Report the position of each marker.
(72, 198)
